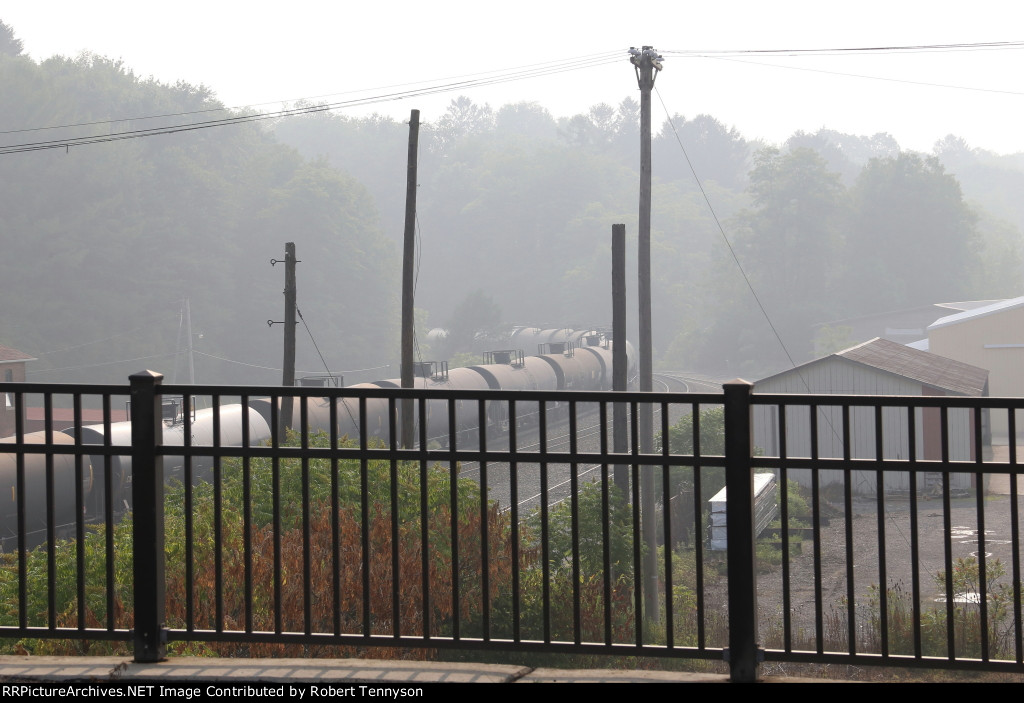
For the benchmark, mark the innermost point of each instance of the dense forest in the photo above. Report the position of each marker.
(104, 242)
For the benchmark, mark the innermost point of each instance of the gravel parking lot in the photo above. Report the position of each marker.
(964, 540)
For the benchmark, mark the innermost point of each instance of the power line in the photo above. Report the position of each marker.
(573, 63)
(104, 363)
(315, 346)
(533, 71)
(859, 50)
(872, 78)
(278, 369)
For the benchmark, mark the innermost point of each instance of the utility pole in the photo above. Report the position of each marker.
(408, 264)
(288, 367)
(647, 64)
(620, 375)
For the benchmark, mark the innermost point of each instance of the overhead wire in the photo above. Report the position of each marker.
(523, 73)
(579, 62)
(315, 346)
(824, 51)
(905, 81)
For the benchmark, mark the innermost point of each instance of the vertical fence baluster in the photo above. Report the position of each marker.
(574, 527)
(187, 480)
(545, 554)
(638, 608)
(787, 620)
(246, 517)
(606, 551)
(364, 514)
(1017, 630)
(915, 545)
(947, 537)
(698, 519)
(513, 477)
(666, 506)
(218, 519)
(819, 626)
(485, 576)
(80, 511)
(851, 599)
(424, 523)
(883, 581)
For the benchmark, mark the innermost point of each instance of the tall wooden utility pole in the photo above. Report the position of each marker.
(647, 63)
(288, 367)
(620, 371)
(408, 276)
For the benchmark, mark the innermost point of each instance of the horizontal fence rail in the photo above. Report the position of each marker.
(857, 530)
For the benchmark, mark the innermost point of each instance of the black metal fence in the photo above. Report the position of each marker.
(886, 527)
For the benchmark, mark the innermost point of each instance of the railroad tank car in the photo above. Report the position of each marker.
(533, 374)
(586, 367)
(202, 427)
(467, 421)
(34, 492)
(318, 415)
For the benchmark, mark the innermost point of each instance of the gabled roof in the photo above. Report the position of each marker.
(8, 355)
(921, 366)
(977, 312)
(930, 369)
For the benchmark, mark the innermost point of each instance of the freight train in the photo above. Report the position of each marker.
(565, 360)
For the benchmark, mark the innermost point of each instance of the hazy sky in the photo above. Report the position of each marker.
(250, 54)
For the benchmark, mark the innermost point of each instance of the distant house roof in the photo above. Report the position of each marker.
(977, 312)
(8, 355)
(921, 366)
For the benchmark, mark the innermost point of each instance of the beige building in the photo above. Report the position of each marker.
(990, 337)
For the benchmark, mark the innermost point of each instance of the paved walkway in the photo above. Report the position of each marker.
(195, 671)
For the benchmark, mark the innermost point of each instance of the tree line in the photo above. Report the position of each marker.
(515, 211)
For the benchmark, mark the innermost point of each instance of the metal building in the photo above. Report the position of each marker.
(878, 367)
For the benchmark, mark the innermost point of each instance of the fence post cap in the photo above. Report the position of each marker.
(155, 376)
(738, 382)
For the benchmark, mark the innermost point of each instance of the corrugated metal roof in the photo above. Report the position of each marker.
(8, 354)
(930, 369)
(977, 312)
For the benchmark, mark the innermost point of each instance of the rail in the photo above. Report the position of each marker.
(891, 545)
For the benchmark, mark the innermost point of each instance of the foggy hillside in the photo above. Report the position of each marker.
(104, 242)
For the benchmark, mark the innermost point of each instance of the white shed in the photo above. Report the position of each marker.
(876, 367)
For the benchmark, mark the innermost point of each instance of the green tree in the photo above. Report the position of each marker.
(9, 44)
(477, 315)
(913, 238)
(790, 245)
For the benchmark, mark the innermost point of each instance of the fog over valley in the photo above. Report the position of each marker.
(121, 201)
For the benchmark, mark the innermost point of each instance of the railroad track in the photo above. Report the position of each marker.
(559, 479)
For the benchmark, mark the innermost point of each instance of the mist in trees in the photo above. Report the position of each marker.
(104, 242)
(515, 208)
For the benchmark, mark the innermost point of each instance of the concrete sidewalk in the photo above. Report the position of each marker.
(180, 671)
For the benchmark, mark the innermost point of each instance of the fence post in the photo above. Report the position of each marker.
(147, 517)
(739, 491)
